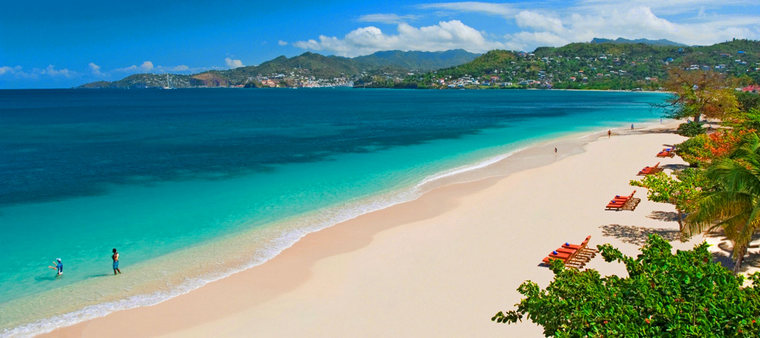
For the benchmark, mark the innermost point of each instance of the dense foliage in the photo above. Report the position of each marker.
(594, 66)
(701, 94)
(702, 149)
(734, 203)
(690, 129)
(665, 294)
(681, 191)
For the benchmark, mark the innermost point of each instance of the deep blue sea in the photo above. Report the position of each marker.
(193, 184)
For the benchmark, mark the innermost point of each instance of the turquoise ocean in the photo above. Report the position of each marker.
(192, 185)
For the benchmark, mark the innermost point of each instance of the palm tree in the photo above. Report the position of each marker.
(735, 203)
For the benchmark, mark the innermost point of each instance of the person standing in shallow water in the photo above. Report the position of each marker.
(115, 258)
(58, 266)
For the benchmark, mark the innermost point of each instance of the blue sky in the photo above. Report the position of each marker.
(47, 44)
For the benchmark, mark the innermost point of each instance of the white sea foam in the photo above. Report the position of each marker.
(466, 168)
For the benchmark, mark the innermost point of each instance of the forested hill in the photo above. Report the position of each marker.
(590, 66)
(660, 42)
(307, 69)
(603, 64)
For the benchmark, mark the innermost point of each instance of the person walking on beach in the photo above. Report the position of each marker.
(115, 258)
(58, 266)
(555, 150)
(631, 126)
(609, 133)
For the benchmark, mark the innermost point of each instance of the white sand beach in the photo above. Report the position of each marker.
(439, 266)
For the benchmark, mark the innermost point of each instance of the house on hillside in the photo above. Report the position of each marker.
(752, 89)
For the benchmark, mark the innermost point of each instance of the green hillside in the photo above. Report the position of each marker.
(597, 65)
(302, 69)
(592, 66)
(415, 60)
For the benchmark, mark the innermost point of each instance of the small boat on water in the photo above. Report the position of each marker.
(168, 83)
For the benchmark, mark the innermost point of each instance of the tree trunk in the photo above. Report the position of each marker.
(680, 220)
(739, 259)
(696, 118)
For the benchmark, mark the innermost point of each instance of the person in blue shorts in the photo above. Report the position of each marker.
(58, 266)
(115, 258)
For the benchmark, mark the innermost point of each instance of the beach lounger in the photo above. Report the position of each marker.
(650, 170)
(618, 202)
(573, 261)
(582, 248)
(667, 152)
(614, 206)
(577, 246)
(574, 256)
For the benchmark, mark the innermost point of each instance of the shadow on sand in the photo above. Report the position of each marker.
(675, 166)
(637, 235)
(669, 216)
(723, 256)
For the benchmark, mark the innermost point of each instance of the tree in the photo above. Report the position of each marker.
(701, 93)
(734, 204)
(680, 192)
(664, 294)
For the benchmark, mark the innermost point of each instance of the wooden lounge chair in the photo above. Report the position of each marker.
(618, 202)
(650, 170)
(582, 248)
(577, 246)
(667, 152)
(574, 256)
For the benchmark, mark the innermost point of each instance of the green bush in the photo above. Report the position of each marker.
(690, 129)
(694, 150)
(664, 294)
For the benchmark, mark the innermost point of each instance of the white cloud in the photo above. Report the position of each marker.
(366, 40)
(388, 18)
(146, 66)
(473, 6)
(95, 69)
(180, 68)
(51, 71)
(233, 63)
(587, 19)
(282, 43)
(9, 70)
(538, 21)
(669, 7)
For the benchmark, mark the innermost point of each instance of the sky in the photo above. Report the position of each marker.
(59, 44)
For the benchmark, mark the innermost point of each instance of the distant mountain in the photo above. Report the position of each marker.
(660, 42)
(417, 61)
(148, 81)
(299, 69)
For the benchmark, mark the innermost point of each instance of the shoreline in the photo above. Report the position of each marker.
(529, 154)
(493, 167)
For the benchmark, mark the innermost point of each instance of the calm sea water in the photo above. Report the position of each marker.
(192, 184)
